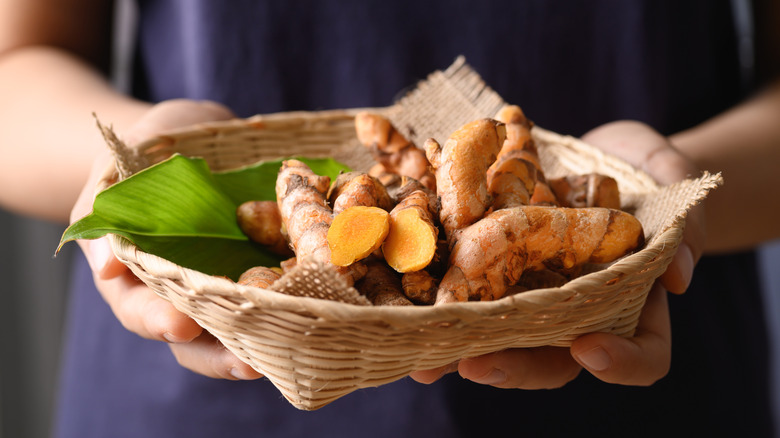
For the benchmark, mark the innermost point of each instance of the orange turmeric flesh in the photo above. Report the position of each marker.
(412, 241)
(306, 215)
(357, 232)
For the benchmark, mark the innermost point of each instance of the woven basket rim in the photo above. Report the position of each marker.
(663, 243)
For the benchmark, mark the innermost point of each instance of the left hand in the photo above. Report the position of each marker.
(640, 360)
(137, 307)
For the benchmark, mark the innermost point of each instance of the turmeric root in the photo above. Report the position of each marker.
(360, 205)
(259, 276)
(512, 183)
(382, 286)
(288, 264)
(492, 254)
(460, 166)
(520, 145)
(387, 178)
(411, 243)
(590, 190)
(356, 233)
(358, 189)
(307, 216)
(407, 185)
(376, 130)
(262, 223)
(420, 287)
(391, 149)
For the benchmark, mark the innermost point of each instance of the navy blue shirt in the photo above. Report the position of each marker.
(572, 65)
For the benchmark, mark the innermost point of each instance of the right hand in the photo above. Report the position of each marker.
(136, 306)
(640, 360)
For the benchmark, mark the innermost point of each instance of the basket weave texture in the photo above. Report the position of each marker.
(316, 339)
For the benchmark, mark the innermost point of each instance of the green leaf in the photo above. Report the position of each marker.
(256, 182)
(181, 211)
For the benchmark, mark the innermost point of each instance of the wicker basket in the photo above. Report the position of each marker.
(316, 340)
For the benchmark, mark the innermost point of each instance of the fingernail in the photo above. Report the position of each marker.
(596, 359)
(238, 374)
(450, 368)
(493, 377)
(99, 254)
(175, 339)
(685, 260)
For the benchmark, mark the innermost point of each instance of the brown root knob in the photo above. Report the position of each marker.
(262, 223)
(420, 286)
(382, 286)
(259, 276)
(589, 190)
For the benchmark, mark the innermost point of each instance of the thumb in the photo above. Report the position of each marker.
(173, 114)
(101, 258)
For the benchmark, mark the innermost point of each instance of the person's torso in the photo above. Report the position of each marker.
(571, 65)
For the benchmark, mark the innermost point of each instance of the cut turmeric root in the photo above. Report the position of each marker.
(501, 218)
(411, 243)
(307, 216)
(358, 189)
(491, 255)
(407, 185)
(356, 233)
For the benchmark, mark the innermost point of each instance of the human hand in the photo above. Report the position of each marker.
(136, 306)
(640, 360)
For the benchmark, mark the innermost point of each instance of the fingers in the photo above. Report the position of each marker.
(528, 368)
(207, 356)
(101, 258)
(679, 274)
(432, 375)
(83, 204)
(641, 146)
(172, 114)
(641, 360)
(646, 149)
(141, 311)
(136, 306)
